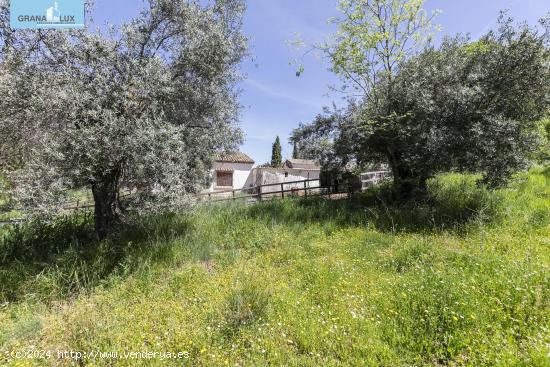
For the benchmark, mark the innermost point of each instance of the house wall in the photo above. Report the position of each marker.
(242, 175)
(266, 176)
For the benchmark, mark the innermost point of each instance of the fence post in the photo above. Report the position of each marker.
(305, 187)
(283, 191)
(233, 195)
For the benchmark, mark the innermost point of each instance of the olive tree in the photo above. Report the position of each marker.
(373, 38)
(464, 106)
(142, 106)
(473, 106)
(319, 139)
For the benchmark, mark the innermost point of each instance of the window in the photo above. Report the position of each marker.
(224, 179)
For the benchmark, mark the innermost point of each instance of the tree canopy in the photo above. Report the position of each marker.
(295, 151)
(143, 106)
(465, 106)
(373, 37)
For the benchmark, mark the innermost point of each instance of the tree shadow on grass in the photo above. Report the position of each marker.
(448, 211)
(342, 213)
(56, 260)
(53, 260)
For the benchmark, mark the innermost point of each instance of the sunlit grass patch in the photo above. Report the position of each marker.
(295, 282)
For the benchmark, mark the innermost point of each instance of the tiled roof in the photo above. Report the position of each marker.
(302, 164)
(233, 158)
(224, 169)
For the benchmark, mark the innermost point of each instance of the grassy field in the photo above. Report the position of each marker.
(459, 280)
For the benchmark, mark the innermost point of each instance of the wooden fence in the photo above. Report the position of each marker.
(254, 193)
(370, 179)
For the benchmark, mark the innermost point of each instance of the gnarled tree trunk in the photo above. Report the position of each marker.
(403, 181)
(107, 205)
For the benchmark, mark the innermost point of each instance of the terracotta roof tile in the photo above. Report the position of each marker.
(237, 157)
(302, 164)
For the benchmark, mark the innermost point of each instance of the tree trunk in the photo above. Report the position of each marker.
(107, 206)
(403, 180)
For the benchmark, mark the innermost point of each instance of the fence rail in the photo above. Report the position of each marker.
(256, 187)
(370, 179)
(253, 192)
(256, 192)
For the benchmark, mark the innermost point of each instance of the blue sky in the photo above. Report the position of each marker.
(274, 100)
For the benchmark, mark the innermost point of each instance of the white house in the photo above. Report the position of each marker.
(236, 171)
(292, 171)
(231, 171)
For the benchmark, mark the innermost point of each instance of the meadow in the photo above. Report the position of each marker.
(458, 279)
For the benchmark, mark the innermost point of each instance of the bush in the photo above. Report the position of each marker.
(542, 154)
(459, 198)
(40, 241)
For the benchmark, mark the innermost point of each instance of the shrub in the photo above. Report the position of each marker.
(460, 198)
(40, 241)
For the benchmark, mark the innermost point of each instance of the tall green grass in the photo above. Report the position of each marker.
(458, 279)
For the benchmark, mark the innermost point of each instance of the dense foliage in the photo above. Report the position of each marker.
(317, 140)
(276, 154)
(143, 106)
(295, 152)
(542, 154)
(463, 106)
